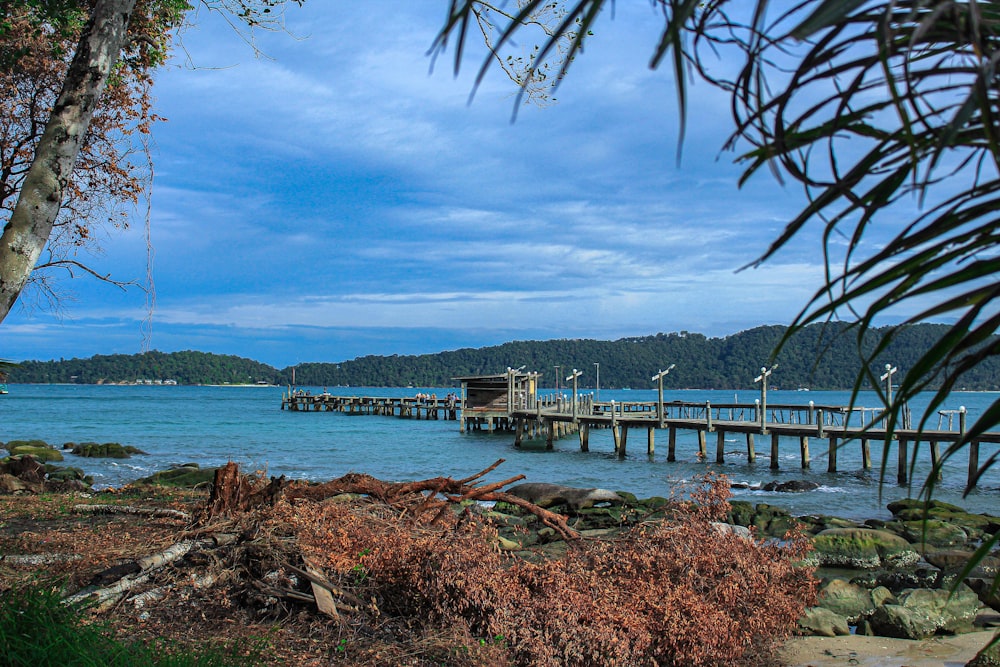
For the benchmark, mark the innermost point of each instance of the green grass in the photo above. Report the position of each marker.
(38, 630)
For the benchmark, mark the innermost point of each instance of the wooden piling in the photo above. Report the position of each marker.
(751, 450)
(650, 440)
(866, 454)
(672, 445)
(622, 440)
(774, 451)
(584, 437)
(720, 447)
(804, 450)
(702, 450)
(901, 462)
(832, 455)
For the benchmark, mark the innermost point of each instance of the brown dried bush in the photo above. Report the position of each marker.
(671, 593)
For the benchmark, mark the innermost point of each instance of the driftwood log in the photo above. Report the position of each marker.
(451, 491)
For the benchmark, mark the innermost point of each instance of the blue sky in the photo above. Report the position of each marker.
(338, 199)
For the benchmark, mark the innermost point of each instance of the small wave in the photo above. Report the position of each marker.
(832, 489)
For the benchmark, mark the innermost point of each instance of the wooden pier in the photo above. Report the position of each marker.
(407, 407)
(509, 402)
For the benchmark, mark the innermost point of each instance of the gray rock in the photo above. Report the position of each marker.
(846, 599)
(793, 486)
(862, 548)
(547, 495)
(822, 622)
(922, 613)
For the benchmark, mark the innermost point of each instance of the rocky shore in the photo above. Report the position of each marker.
(908, 578)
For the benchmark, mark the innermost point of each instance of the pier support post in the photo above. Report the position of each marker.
(519, 433)
(622, 440)
(702, 449)
(650, 440)
(672, 445)
(751, 449)
(804, 450)
(774, 451)
(550, 434)
(866, 452)
(936, 459)
(832, 455)
(901, 471)
(720, 447)
(973, 462)
(584, 437)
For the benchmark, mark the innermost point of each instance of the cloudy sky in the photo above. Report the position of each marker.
(338, 198)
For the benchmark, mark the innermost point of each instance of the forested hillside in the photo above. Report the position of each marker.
(819, 358)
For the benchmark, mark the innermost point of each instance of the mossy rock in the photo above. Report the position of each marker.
(24, 443)
(655, 502)
(740, 513)
(67, 474)
(862, 548)
(847, 599)
(186, 476)
(934, 532)
(40, 451)
(630, 498)
(780, 525)
(906, 504)
(107, 450)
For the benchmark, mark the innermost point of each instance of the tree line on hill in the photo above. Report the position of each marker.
(818, 357)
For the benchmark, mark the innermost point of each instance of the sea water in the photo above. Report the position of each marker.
(212, 425)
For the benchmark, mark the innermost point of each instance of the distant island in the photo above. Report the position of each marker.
(819, 357)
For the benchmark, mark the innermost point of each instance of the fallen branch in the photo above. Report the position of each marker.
(38, 559)
(147, 565)
(128, 509)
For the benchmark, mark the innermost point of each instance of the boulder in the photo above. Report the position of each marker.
(792, 486)
(187, 476)
(862, 548)
(922, 613)
(10, 485)
(107, 450)
(548, 495)
(740, 513)
(34, 448)
(846, 599)
(934, 533)
(822, 622)
(730, 529)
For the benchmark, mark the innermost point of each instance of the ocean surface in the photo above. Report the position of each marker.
(212, 425)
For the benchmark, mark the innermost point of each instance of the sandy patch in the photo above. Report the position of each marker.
(860, 651)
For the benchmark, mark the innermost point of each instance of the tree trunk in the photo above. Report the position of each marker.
(41, 195)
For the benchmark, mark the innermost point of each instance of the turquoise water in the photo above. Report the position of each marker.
(213, 425)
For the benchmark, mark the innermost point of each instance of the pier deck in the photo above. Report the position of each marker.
(553, 417)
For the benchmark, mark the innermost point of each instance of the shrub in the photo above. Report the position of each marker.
(675, 593)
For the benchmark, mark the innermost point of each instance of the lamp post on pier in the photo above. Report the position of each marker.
(887, 378)
(557, 376)
(573, 377)
(762, 378)
(598, 380)
(658, 378)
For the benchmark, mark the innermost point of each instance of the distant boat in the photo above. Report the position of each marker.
(3, 389)
(803, 389)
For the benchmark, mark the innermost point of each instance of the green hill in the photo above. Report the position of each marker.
(819, 357)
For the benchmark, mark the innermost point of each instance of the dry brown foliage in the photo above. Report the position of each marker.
(417, 578)
(677, 593)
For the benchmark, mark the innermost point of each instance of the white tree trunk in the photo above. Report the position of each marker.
(30, 224)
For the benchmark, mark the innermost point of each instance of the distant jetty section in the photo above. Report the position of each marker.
(509, 402)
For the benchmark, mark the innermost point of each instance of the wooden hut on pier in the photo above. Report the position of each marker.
(489, 400)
